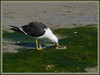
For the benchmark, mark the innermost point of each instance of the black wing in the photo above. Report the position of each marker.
(34, 29)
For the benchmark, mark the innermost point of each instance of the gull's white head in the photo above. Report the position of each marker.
(54, 39)
(49, 35)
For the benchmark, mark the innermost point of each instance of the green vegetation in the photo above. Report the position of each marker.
(81, 53)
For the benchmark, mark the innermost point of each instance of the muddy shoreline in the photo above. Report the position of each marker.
(54, 15)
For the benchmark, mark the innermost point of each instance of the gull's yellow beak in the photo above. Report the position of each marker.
(57, 45)
(60, 46)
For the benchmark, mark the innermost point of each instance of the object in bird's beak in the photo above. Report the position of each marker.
(75, 32)
(60, 47)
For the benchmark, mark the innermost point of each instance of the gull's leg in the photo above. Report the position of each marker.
(37, 44)
(38, 47)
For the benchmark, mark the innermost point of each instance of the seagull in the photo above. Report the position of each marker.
(38, 31)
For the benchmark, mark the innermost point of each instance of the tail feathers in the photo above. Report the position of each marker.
(16, 29)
